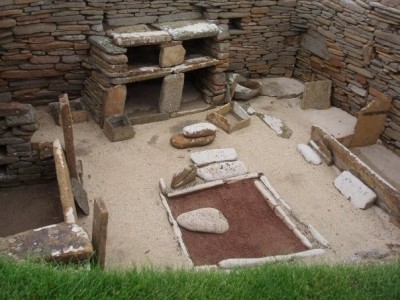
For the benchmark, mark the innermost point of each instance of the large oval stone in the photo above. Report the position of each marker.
(208, 219)
(199, 130)
(181, 142)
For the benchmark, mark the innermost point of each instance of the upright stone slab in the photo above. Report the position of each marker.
(114, 101)
(99, 231)
(370, 123)
(171, 93)
(317, 95)
(171, 55)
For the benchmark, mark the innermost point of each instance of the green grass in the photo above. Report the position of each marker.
(276, 281)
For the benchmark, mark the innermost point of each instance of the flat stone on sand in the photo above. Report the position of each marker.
(206, 157)
(309, 154)
(282, 88)
(209, 220)
(354, 190)
(199, 130)
(181, 142)
(222, 170)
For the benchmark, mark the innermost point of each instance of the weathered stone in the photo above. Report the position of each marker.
(59, 242)
(183, 177)
(139, 35)
(118, 128)
(317, 95)
(309, 155)
(315, 43)
(222, 170)
(370, 123)
(80, 196)
(181, 142)
(392, 38)
(22, 149)
(199, 130)
(277, 125)
(26, 119)
(171, 93)
(14, 109)
(355, 190)
(99, 231)
(206, 157)
(185, 30)
(114, 101)
(34, 28)
(281, 88)
(219, 117)
(208, 220)
(171, 56)
(105, 44)
(7, 23)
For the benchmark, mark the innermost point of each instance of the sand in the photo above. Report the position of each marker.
(126, 174)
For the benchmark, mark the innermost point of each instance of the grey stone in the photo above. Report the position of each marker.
(26, 119)
(317, 95)
(171, 93)
(172, 56)
(282, 88)
(105, 44)
(208, 220)
(315, 43)
(185, 30)
(206, 157)
(199, 130)
(222, 170)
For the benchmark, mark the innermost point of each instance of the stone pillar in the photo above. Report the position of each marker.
(114, 101)
(171, 93)
(99, 231)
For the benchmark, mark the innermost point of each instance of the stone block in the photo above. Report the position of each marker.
(317, 95)
(230, 117)
(114, 101)
(58, 242)
(171, 93)
(370, 123)
(118, 128)
(187, 30)
(171, 56)
(355, 190)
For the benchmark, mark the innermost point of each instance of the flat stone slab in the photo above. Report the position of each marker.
(181, 142)
(105, 44)
(206, 157)
(277, 125)
(60, 242)
(355, 190)
(222, 170)
(199, 130)
(317, 95)
(208, 220)
(309, 154)
(183, 177)
(188, 30)
(281, 87)
(138, 35)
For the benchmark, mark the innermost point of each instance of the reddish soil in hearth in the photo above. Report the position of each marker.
(255, 230)
(29, 206)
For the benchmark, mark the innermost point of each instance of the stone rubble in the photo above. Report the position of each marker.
(208, 220)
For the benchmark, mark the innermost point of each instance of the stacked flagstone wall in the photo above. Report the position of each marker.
(356, 44)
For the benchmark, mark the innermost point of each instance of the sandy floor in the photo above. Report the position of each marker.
(126, 174)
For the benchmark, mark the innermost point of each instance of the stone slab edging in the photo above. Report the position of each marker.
(274, 193)
(196, 188)
(281, 214)
(251, 262)
(319, 237)
(388, 196)
(176, 229)
(64, 184)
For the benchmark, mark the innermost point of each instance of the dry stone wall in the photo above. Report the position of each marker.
(356, 44)
(20, 160)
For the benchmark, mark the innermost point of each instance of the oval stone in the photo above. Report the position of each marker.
(208, 219)
(199, 130)
(181, 142)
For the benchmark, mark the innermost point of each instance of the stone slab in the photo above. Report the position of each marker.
(206, 157)
(171, 93)
(172, 56)
(138, 35)
(189, 29)
(277, 125)
(118, 128)
(222, 170)
(370, 123)
(199, 130)
(184, 177)
(59, 242)
(317, 95)
(315, 43)
(355, 190)
(106, 44)
(281, 87)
